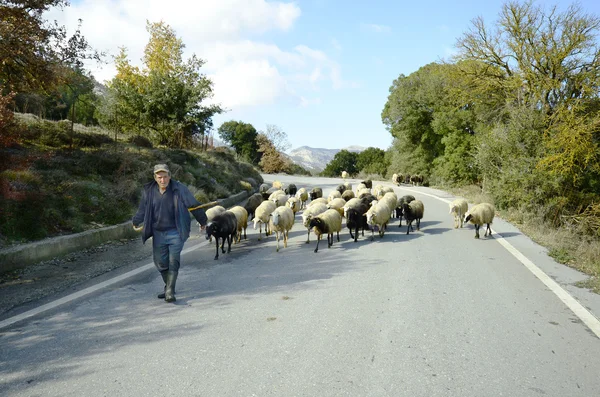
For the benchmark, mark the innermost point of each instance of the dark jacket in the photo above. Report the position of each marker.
(183, 200)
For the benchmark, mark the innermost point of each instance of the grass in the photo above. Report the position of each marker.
(54, 182)
(569, 245)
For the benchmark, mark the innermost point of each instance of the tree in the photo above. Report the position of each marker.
(165, 97)
(343, 160)
(271, 161)
(33, 51)
(372, 161)
(277, 137)
(242, 137)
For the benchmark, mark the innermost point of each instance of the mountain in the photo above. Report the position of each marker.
(315, 159)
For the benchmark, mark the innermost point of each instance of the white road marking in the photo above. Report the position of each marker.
(84, 292)
(577, 308)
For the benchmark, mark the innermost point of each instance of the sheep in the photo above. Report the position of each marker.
(363, 191)
(291, 189)
(458, 207)
(281, 221)
(328, 222)
(294, 204)
(348, 194)
(309, 213)
(262, 216)
(278, 185)
(315, 193)
(360, 186)
(416, 179)
(211, 213)
(252, 203)
(345, 174)
(368, 183)
(397, 179)
(279, 200)
(404, 199)
(333, 195)
(321, 200)
(302, 195)
(276, 193)
(223, 226)
(407, 179)
(242, 221)
(480, 214)
(378, 215)
(413, 211)
(341, 188)
(356, 218)
(270, 191)
(347, 185)
(337, 204)
(368, 197)
(380, 190)
(263, 190)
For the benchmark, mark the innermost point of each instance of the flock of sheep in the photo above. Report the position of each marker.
(365, 208)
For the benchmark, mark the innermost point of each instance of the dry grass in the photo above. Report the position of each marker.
(568, 245)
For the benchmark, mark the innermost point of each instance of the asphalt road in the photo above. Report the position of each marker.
(434, 313)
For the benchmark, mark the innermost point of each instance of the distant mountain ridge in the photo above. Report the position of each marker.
(315, 159)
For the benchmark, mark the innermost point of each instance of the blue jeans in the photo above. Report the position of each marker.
(166, 250)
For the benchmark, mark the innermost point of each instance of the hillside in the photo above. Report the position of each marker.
(315, 159)
(53, 182)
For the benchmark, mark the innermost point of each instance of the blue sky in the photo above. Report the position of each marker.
(318, 69)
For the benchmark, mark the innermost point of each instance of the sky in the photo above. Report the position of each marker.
(320, 70)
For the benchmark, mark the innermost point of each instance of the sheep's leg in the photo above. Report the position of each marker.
(217, 242)
(308, 236)
(488, 229)
(338, 236)
(318, 240)
(372, 234)
(329, 240)
(476, 231)
(408, 227)
(418, 223)
(223, 244)
(229, 240)
(245, 234)
(277, 236)
(259, 231)
(285, 238)
(352, 235)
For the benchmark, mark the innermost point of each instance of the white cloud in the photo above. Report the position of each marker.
(245, 71)
(371, 27)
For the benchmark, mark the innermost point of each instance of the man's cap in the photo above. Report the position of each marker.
(161, 168)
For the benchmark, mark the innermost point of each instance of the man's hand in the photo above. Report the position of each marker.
(138, 228)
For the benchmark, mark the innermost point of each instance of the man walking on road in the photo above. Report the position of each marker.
(163, 214)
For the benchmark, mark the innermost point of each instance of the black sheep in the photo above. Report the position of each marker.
(368, 183)
(253, 203)
(315, 193)
(223, 226)
(413, 211)
(356, 219)
(291, 189)
(403, 200)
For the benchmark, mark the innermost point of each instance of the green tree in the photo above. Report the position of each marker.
(343, 160)
(166, 96)
(243, 138)
(372, 161)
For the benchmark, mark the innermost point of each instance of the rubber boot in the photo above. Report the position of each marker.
(170, 290)
(164, 277)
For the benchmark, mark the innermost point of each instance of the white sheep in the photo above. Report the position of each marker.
(480, 214)
(345, 174)
(211, 213)
(242, 221)
(328, 222)
(302, 195)
(378, 216)
(281, 221)
(279, 200)
(333, 195)
(458, 208)
(392, 200)
(309, 213)
(277, 193)
(261, 215)
(337, 204)
(320, 200)
(348, 194)
(294, 204)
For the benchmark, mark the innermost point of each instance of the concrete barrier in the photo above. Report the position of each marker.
(25, 254)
